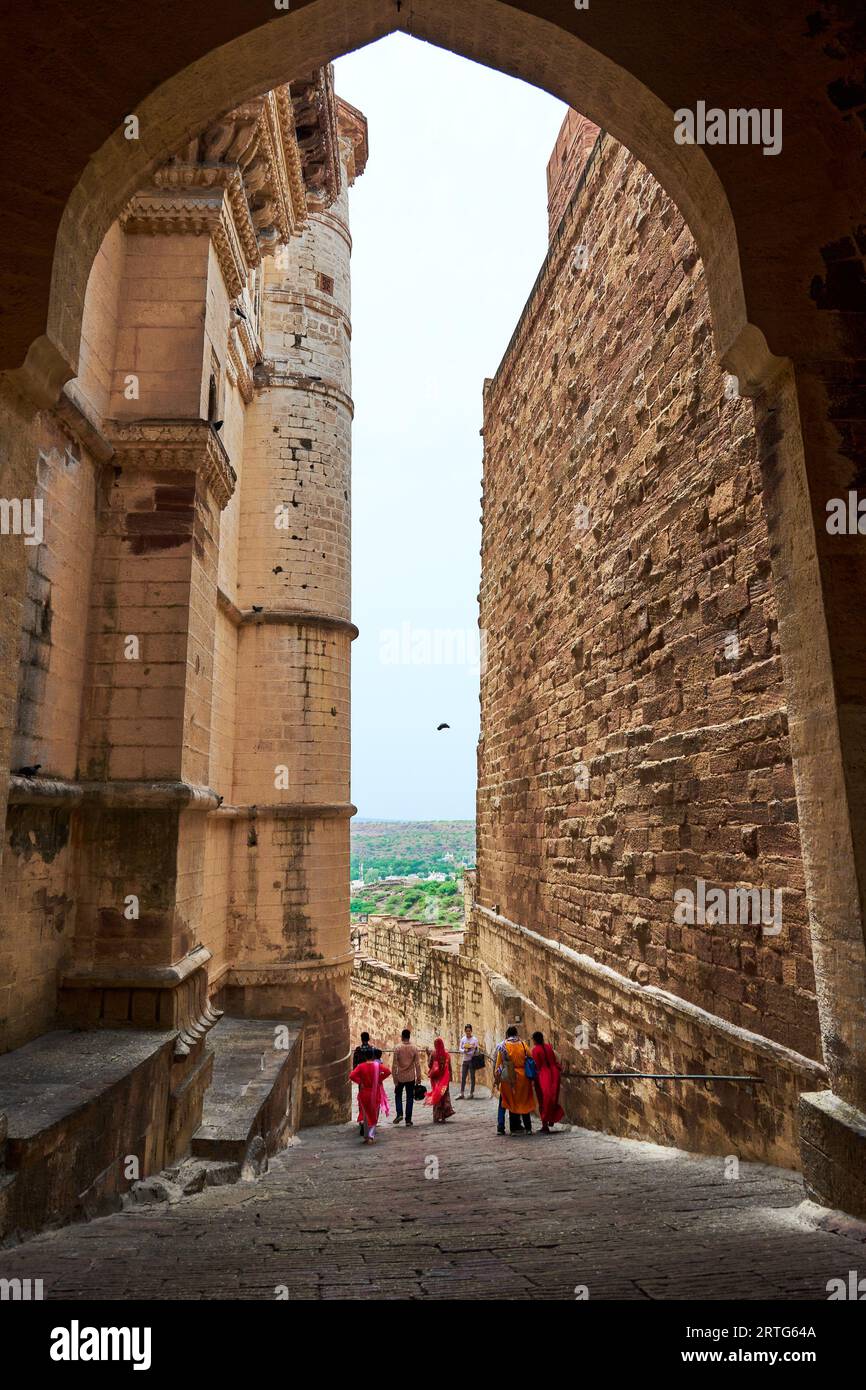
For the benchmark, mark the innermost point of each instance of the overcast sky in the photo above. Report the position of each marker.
(449, 225)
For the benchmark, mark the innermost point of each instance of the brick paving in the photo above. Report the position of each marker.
(515, 1218)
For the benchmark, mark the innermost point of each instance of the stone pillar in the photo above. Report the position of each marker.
(138, 957)
(291, 778)
(810, 422)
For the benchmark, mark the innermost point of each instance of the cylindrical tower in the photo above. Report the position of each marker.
(291, 856)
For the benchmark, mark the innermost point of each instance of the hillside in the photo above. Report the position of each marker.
(386, 848)
(411, 847)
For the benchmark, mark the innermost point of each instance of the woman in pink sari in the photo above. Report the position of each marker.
(368, 1077)
(439, 1072)
(547, 1083)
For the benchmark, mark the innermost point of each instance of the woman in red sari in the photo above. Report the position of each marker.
(439, 1072)
(547, 1083)
(368, 1077)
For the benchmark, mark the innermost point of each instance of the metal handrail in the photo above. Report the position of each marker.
(655, 1076)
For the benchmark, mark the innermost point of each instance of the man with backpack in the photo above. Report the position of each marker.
(513, 1070)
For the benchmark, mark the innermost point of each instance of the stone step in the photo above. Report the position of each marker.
(255, 1093)
(78, 1106)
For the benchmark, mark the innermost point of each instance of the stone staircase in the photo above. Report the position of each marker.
(83, 1115)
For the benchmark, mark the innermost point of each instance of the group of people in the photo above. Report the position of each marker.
(527, 1081)
(369, 1074)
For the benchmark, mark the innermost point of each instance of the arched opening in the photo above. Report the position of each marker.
(487, 31)
(733, 251)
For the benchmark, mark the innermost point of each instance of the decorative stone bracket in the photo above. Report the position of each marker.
(186, 446)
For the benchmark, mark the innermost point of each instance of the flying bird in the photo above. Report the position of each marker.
(27, 771)
(439, 727)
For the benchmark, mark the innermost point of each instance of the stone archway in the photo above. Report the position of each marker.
(487, 31)
(786, 289)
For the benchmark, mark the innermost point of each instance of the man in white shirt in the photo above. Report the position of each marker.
(468, 1050)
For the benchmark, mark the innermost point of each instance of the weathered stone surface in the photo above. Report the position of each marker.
(252, 1105)
(178, 825)
(833, 1150)
(153, 1191)
(335, 1220)
(630, 625)
(79, 1107)
(598, 1020)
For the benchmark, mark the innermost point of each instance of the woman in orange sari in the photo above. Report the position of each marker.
(515, 1088)
(439, 1072)
(368, 1077)
(547, 1083)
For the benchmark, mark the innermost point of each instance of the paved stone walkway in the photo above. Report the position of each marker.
(517, 1218)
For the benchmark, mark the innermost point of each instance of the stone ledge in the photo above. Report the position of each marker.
(252, 1092)
(96, 1098)
(773, 1051)
(139, 976)
(184, 445)
(833, 1151)
(290, 810)
(249, 617)
(115, 795)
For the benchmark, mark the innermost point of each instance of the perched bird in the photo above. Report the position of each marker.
(26, 771)
(257, 607)
(236, 309)
(442, 726)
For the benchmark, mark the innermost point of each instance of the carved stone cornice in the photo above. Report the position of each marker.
(250, 177)
(294, 163)
(239, 370)
(185, 446)
(210, 203)
(315, 118)
(352, 125)
(243, 356)
(291, 972)
(257, 140)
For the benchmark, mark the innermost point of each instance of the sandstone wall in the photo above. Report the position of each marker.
(41, 850)
(597, 1021)
(405, 978)
(634, 730)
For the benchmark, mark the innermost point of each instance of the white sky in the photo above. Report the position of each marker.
(449, 225)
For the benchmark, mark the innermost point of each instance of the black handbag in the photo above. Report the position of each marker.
(420, 1091)
(478, 1061)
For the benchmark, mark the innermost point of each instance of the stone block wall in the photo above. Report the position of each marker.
(405, 977)
(634, 735)
(599, 1020)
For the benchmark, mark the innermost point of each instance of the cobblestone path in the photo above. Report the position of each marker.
(516, 1218)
